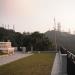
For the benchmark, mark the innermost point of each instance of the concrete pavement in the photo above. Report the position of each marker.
(10, 58)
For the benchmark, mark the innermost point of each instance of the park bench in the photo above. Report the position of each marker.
(5, 47)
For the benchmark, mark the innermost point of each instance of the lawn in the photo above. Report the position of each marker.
(37, 64)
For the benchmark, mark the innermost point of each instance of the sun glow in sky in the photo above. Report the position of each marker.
(37, 15)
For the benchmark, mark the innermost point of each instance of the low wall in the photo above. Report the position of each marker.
(63, 60)
(70, 63)
(60, 65)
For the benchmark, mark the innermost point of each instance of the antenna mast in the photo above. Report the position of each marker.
(14, 27)
(55, 34)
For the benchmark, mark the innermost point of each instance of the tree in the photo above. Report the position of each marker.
(27, 41)
(36, 40)
(40, 42)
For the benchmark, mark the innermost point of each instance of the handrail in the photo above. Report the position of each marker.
(70, 61)
(69, 54)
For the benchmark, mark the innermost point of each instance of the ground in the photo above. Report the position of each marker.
(37, 64)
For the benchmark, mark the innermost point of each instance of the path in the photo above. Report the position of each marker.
(11, 58)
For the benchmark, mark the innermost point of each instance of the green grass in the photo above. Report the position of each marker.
(37, 64)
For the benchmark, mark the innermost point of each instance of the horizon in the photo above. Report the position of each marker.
(39, 31)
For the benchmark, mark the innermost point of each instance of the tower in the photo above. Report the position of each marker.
(14, 27)
(55, 35)
(5, 26)
(8, 26)
(2, 25)
(59, 27)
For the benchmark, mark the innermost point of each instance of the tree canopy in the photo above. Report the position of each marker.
(36, 40)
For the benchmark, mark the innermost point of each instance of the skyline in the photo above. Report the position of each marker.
(58, 28)
(37, 15)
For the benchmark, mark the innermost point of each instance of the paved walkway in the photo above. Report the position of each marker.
(56, 70)
(11, 58)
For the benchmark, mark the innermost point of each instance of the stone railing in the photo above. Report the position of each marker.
(5, 47)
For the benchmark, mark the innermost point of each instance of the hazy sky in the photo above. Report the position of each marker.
(37, 15)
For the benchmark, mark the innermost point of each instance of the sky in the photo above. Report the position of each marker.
(37, 15)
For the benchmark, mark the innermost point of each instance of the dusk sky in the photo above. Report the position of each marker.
(37, 15)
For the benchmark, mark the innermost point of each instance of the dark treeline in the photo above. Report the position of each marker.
(36, 40)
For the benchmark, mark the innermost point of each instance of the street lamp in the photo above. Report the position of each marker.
(55, 34)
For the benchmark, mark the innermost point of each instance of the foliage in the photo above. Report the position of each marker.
(36, 40)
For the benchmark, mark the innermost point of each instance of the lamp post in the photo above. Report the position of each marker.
(55, 34)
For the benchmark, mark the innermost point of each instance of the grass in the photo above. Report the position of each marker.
(37, 64)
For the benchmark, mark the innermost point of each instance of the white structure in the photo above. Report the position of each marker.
(24, 49)
(6, 47)
(60, 65)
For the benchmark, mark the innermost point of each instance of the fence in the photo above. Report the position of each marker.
(70, 61)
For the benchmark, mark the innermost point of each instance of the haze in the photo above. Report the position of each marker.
(37, 15)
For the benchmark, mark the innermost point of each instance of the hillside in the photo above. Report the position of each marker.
(63, 39)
